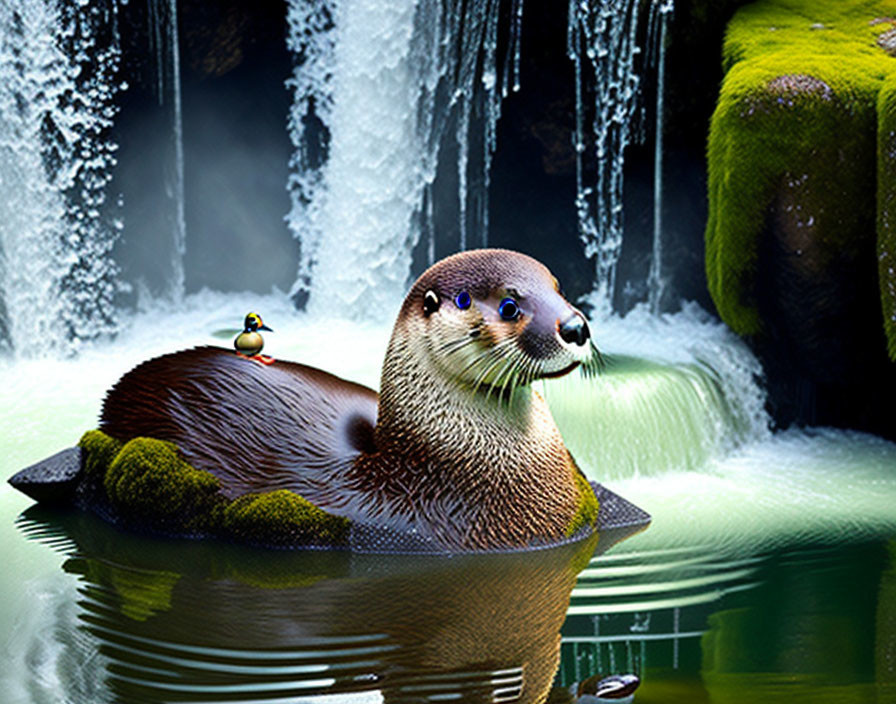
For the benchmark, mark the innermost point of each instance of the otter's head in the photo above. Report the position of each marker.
(494, 319)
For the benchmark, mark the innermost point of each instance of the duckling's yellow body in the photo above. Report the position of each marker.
(250, 342)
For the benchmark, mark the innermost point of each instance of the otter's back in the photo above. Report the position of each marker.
(256, 427)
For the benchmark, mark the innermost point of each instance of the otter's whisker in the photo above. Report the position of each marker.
(519, 374)
(492, 353)
(484, 356)
(512, 383)
(494, 357)
(453, 346)
(500, 351)
(595, 364)
(507, 374)
(532, 369)
(500, 358)
(510, 377)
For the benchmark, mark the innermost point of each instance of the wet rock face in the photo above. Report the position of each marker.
(822, 344)
(813, 293)
(799, 194)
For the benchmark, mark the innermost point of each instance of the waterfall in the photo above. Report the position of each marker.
(602, 43)
(58, 71)
(164, 44)
(371, 179)
(180, 221)
(376, 88)
(656, 284)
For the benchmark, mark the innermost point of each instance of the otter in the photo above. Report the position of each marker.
(456, 450)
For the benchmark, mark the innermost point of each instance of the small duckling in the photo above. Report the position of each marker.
(249, 342)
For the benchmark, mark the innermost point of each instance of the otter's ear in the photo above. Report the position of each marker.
(430, 302)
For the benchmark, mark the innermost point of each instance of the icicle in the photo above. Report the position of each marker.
(163, 43)
(602, 41)
(463, 147)
(428, 228)
(516, 42)
(655, 281)
(156, 47)
(180, 222)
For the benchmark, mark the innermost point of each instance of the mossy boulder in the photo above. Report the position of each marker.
(792, 149)
(886, 206)
(99, 450)
(801, 188)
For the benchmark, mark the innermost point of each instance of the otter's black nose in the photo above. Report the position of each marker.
(575, 329)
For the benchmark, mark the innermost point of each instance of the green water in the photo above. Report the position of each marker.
(94, 615)
(810, 624)
(767, 575)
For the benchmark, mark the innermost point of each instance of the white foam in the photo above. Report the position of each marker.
(820, 484)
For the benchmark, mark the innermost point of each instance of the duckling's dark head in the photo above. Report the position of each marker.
(495, 317)
(253, 322)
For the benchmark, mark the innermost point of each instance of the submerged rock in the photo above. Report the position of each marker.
(53, 480)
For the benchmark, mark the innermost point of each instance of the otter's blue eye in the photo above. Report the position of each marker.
(508, 309)
(462, 300)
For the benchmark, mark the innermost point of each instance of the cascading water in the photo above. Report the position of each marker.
(677, 391)
(658, 408)
(58, 70)
(656, 283)
(180, 221)
(376, 87)
(164, 43)
(602, 43)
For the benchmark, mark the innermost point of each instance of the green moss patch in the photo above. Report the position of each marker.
(797, 115)
(98, 451)
(149, 482)
(282, 518)
(588, 506)
(149, 485)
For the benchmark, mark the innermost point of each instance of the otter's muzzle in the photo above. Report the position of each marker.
(574, 330)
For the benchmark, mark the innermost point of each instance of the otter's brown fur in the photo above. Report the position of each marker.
(256, 427)
(457, 448)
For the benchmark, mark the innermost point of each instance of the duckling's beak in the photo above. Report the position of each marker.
(265, 327)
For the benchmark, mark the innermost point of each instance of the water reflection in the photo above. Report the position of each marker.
(144, 620)
(178, 621)
(813, 622)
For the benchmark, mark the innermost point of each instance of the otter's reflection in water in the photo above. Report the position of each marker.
(179, 621)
